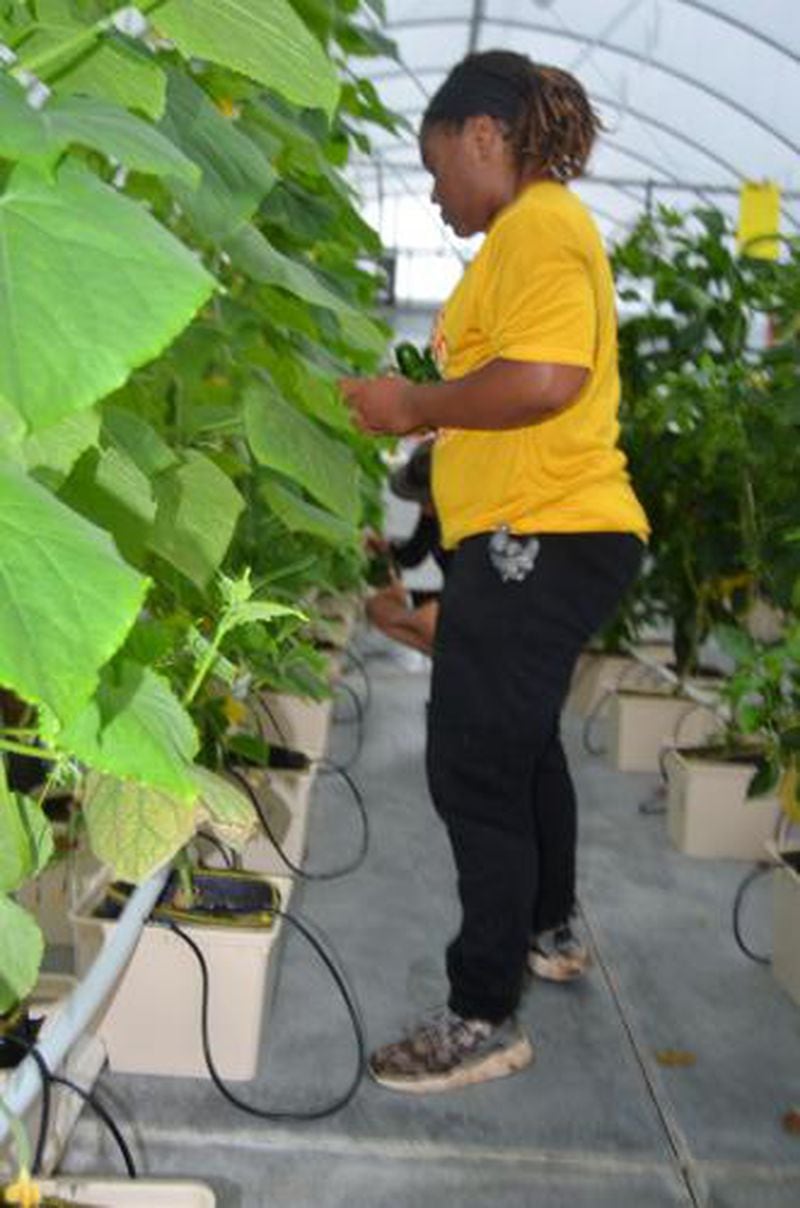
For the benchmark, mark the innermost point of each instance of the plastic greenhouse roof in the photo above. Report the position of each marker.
(697, 96)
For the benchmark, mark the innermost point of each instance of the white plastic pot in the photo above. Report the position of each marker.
(283, 799)
(597, 675)
(296, 722)
(54, 893)
(708, 811)
(643, 724)
(131, 1193)
(786, 923)
(151, 1023)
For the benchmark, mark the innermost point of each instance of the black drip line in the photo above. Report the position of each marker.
(353, 1010)
(91, 1098)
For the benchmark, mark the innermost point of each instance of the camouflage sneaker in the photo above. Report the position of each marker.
(558, 955)
(446, 1052)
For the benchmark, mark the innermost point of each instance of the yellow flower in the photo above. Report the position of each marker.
(24, 1192)
(234, 710)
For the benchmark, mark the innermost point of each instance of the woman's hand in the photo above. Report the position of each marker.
(380, 405)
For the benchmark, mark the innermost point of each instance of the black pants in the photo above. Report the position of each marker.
(503, 658)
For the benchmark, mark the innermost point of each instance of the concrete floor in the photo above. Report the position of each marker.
(596, 1122)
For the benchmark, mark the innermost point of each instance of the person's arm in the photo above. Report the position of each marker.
(500, 395)
(414, 549)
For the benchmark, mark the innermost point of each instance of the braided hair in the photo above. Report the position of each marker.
(544, 111)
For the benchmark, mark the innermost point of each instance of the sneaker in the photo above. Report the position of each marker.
(558, 955)
(447, 1052)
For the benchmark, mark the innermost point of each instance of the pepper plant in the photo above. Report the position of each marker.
(710, 417)
(184, 275)
(763, 693)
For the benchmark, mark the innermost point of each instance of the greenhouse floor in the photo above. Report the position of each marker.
(661, 1079)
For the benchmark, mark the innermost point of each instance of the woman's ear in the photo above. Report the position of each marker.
(485, 134)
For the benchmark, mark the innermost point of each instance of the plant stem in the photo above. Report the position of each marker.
(20, 1135)
(185, 871)
(79, 42)
(18, 748)
(204, 667)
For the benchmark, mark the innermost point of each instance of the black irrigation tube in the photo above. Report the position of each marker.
(360, 665)
(359, 720)
(89, 1097)
(753, 875)
(353, 1010)
(228, 855)
(305, 875)
(331, 765)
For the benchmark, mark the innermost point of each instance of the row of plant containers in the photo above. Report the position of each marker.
(182, 493)
(710, 424)
(228, 902)
(727, 747)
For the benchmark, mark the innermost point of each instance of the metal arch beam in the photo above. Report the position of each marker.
(673, 131)
(742, 26)
(614, 102)
(475, 21)
(625, 51)
(647, 162)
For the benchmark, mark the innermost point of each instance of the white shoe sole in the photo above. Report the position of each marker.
(542, 966)
(495, 1065)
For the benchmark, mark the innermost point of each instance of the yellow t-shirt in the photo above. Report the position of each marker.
(539, 289)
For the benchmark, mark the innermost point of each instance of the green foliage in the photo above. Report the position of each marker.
(763, 693)
(182, 283)
(710, 416)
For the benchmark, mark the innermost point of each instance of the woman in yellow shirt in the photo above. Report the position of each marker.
(534, 498)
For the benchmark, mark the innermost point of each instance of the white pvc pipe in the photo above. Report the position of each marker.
(61, 1030)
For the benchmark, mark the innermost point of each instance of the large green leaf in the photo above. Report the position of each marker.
(300, 516)
(21, 950)
(198, 508)
(255, 256)
(116, 71)
(131, 434)
(59, 447)
(224, 809)
(263, 39)
(284, 439)
(26, 133)
(134, 828)
(26, 838)
(90, 287)
(235, 174)
(307, 385)
(75, 56)
(109, 489)
(67, 599)
(135, 728)
(269, 120)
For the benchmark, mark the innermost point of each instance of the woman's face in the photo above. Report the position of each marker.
(472, 170)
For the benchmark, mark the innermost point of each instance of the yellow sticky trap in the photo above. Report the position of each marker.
(25, 1192)
(759, 219)
(788, 792)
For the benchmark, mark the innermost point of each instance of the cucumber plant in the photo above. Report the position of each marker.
(184, 275)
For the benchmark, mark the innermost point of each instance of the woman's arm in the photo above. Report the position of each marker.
(501, 394)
